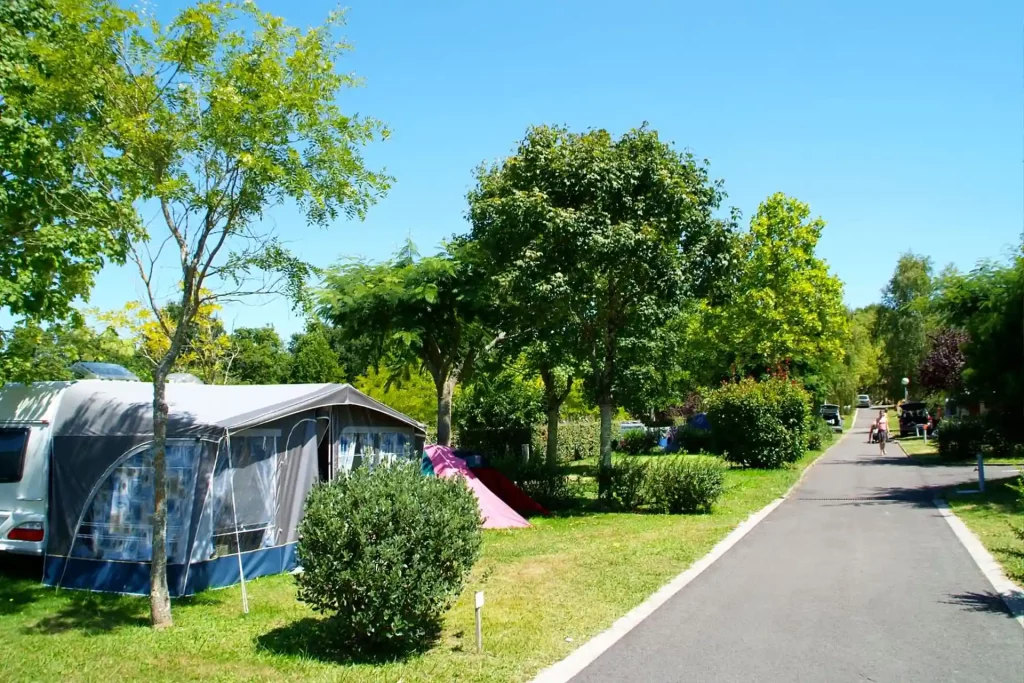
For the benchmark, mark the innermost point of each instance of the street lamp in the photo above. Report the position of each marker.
(906, 394)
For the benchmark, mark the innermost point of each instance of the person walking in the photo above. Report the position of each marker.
(882, 428)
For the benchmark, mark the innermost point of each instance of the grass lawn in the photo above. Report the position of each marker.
(568, 577)
(989, 516)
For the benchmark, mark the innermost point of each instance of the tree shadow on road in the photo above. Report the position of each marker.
(982, 602)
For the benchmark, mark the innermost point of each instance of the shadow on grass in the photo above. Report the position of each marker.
(20, 585)
(313, 638)
(93, 614)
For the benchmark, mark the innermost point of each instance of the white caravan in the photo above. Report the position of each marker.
(26, 414)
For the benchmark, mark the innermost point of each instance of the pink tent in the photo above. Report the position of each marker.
(496, 514)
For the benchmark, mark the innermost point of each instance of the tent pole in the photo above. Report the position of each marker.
(234, 512)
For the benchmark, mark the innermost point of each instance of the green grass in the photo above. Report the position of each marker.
(566, 578)
(992, 516)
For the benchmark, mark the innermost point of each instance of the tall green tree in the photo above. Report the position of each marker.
(258, 356)
(788, 308)
(592, 242)
(64, 208)
(313, 361)
(904, 321)
(413, 312)
(224, 112)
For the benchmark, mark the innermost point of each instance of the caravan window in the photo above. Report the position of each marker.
(12, 454)
(117, 523)
(372, 446)
(245, 521)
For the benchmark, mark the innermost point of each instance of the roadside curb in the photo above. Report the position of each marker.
(1011, 593)
(579, 659)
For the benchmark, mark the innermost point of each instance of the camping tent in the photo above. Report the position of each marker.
(496, 514)
(240, 461)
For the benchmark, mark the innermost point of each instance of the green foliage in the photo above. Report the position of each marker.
(684, 483)
(961, 438)
(787, 308)
(638, 441)
(986, 304)
(313, 360)
(259, 356)
(65, 208)
(819, 433)
(413, 394)
(639, 214)
(577, 440)
(626, 484)
(500, 400)
(904, 320)
(690, 439)
(547, 485)
(412, 312)
(758, 424)
(385, 553)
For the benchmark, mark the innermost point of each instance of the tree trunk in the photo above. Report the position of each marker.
(552, 445)
(445, 388)
(159, 597)
(606, 443)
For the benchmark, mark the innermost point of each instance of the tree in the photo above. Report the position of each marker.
(943, 365)
(313, 361)
(64, 211)
(223, 113)
(904, 321)
(987, 305)
(259, 356)
(788, 309)
(411, 393)
(592, 243)
(413, 313)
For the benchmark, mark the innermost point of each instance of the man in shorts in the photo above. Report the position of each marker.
(882, 428)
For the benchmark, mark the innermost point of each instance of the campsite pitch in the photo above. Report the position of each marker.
(548, 588)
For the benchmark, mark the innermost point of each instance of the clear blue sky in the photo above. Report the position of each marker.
(902, 126)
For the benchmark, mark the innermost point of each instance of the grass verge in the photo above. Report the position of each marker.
(992, 517)
(548, 589)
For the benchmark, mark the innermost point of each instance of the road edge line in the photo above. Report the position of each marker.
(1011, 594)
(576, 661)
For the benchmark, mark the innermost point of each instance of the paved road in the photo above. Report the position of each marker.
(856, 577)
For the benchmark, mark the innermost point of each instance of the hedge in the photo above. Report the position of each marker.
(759, 424)
(577, 440)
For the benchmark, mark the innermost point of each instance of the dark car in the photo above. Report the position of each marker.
(915, 413)
(830, 413)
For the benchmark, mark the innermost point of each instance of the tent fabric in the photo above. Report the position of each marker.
(495, 512)
(505, 488)
(240, 461)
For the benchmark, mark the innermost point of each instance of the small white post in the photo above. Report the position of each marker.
(479, 630)
(981, 473)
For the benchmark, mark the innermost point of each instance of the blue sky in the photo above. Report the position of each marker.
(902, 127)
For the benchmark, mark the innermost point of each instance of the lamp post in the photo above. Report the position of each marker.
(906, 392)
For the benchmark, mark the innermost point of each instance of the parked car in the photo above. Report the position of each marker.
(830, 413)
(863, 401)
(630, 425)
(913, 413)
(92, 370)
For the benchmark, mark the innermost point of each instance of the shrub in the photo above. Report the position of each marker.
(638, 441)
(758, 424)
(626, 484)
(577, 440)
(684, 483)
(549, 487)
(385, 553)
(819, 433)
(961, 439)
(691, 439)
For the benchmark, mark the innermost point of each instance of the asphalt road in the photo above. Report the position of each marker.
(856, 577)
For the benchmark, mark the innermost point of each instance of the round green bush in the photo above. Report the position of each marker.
(758, 424)
(384, 554)
(626, 484)
(819, 433)
(684, 483)
(638, 441)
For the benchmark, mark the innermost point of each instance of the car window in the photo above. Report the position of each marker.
(12, 454)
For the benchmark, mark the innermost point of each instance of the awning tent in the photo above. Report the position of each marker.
(240, 461)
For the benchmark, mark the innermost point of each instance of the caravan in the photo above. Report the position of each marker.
(77, 472)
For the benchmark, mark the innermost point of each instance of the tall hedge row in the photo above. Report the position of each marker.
(577, 440)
